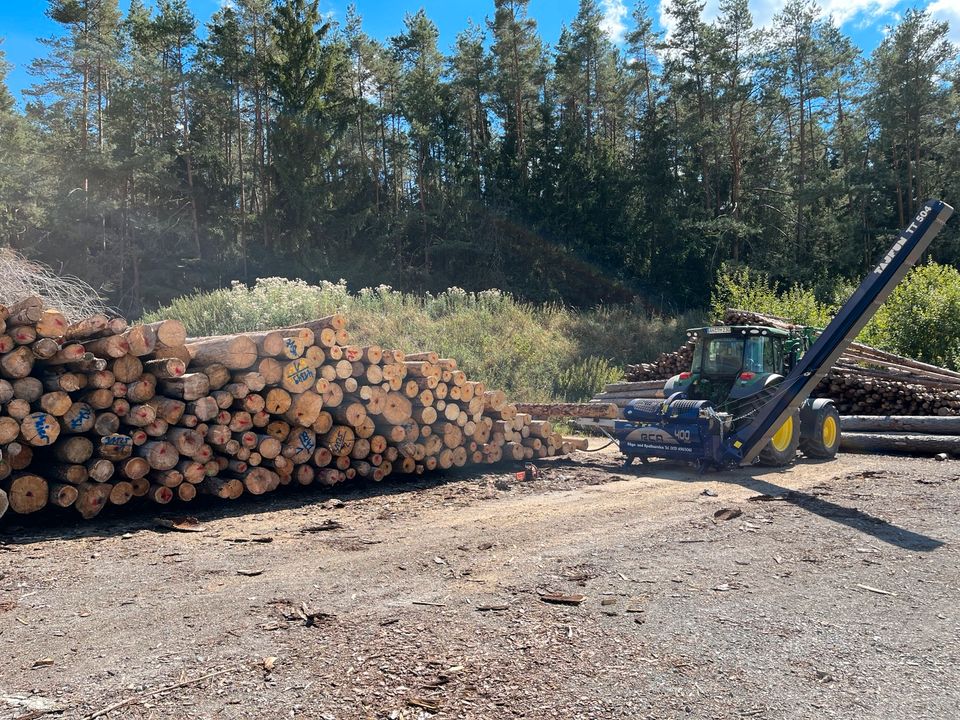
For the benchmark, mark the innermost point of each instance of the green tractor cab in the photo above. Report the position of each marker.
(738, 367)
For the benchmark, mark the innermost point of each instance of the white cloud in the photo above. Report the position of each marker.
(948, 10)
(614, 15)
(845, 10)
(867, 12)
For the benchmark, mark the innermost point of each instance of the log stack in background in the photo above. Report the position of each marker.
(96, 413)
(665, 366)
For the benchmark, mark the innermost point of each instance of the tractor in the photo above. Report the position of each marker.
(738, 367)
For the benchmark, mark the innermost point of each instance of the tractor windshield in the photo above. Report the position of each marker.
(723, 356)
(727, 356)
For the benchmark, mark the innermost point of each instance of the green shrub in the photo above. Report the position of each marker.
(584, 379)
(519, 347)
(746, 289)
(920, 319)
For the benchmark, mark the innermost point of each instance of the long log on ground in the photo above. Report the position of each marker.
(624, 402)
(568, 410)
(926, 380)
(633, 386)
(336, 321)
(908, 424)
(901, 443)
(737, 316)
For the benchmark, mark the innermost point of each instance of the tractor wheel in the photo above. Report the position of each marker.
(782, 448)
(824, 441)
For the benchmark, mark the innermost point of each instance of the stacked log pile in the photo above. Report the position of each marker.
(865, 381)
(665, 366)
(98, 413)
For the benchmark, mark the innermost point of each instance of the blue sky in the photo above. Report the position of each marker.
(23, 21)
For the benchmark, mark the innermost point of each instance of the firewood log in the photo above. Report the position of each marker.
(17, 363)
(115, 447)
(165, 369)
(26, 493)
(305, 409)
(62, 495)
(91, 498)
(160, 454)
(141, 340)
(218, 375)
(556, 411)
(39, 429)
(113, 346)
(189, 387)
(258, 481)
(298, 376)
(133, 468)
(121, 492)
(160, 494)
(278, 401)
(236, 352)
(88, 327)
(168, 333)
(100, 470)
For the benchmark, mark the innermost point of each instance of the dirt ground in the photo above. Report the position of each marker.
(833, 595)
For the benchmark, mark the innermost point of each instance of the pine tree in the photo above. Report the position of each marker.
(471, 70)
(301, 74)
(224, 146)
(909, 98)
(517, 53)
(688, 72)
(18, 173)
(423, 101)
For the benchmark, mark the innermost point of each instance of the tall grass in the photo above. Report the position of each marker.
(535, 352)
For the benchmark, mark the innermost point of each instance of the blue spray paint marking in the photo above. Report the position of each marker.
(40, 425)
(82, 416)
(300, 373)
(306, 443)
(117, 440)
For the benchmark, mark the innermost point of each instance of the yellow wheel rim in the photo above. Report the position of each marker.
(781, 441)
(829, 431)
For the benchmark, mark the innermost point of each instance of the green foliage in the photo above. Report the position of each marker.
(746, 289)
(584, 379)
(921, 318)
(534, 352)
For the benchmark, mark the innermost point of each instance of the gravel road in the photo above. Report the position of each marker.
(826, 590)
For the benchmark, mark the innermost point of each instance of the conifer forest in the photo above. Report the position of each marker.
(154, 154)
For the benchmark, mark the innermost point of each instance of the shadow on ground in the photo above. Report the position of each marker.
(62, 525)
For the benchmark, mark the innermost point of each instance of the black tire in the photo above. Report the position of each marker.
(824, 439)
(782, 449)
